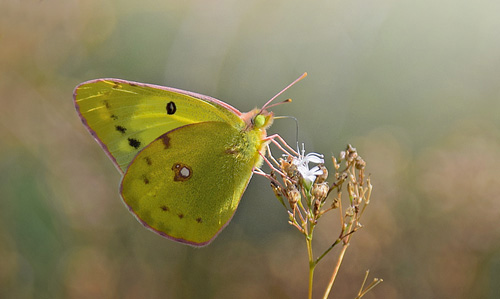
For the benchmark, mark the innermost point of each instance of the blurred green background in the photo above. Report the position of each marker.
(413, 85)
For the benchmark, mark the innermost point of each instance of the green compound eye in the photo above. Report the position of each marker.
(259, 121)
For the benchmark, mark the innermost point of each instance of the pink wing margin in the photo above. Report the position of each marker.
(145, 85)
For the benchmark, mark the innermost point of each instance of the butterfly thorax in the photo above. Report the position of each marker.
(253, 136)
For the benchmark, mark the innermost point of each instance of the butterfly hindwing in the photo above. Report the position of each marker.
(186, 185)
(125, 116)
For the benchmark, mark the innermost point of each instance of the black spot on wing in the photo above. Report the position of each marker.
(134, 143)
(171, 108)
(121, 129)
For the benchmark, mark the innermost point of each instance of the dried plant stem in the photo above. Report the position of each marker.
(374, 283)
(337, 268)
(328, 250)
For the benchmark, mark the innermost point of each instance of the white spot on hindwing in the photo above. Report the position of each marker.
(182, 172)
(185, 172)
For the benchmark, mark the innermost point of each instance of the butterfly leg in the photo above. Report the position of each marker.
(273, 138)
(260, 172)
(272, 176)
(270, 155)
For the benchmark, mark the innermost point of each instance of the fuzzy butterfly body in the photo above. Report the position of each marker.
(186, 158)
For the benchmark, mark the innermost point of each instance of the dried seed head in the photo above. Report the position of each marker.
(322, 177)
(360, 163)
(350, 149)
(335, 203)
(342, 155)
(288, 183)
(351, 153)
(349, 212)
(320, 191)
(277, 189)
(288, 167)
(293, 197)
(341, 176)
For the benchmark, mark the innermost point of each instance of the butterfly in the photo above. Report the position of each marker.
(186, 158)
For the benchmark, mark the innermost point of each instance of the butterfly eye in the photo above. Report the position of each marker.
(259, 121)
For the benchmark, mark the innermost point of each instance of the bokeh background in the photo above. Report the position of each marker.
(413, 85)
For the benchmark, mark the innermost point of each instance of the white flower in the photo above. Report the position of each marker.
(302, 163)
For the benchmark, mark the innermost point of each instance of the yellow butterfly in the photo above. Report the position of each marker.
(186, 158)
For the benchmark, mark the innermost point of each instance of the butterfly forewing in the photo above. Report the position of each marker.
(126, 116)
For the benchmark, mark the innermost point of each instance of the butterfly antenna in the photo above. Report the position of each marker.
(266, 105)
(279, 103)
